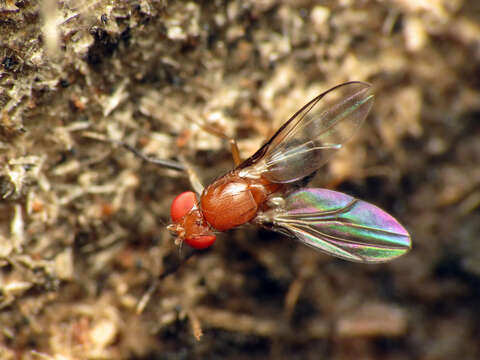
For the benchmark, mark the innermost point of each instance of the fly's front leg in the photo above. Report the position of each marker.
(156, 281)
(192, 176)
(168, 164)
(183, 165)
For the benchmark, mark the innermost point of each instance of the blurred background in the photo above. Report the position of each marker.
(82, 221)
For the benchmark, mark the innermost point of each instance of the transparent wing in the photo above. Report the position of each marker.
(310, 137)
(340, 225)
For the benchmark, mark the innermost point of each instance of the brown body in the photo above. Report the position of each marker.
(232, 200)
(269, 188)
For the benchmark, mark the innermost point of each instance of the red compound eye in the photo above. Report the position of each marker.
(201, 242)
(182, 204)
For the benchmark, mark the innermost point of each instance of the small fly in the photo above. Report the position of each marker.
(270, 188)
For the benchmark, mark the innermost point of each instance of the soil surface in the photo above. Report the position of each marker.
(87, 267)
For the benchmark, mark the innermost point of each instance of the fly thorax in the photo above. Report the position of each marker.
(254, 171)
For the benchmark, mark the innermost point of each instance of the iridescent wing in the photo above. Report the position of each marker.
(311, 136)
(339, 225)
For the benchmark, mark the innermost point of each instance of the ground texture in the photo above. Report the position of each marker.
(82, 221)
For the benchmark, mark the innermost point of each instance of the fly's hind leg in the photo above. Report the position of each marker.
(237, 159)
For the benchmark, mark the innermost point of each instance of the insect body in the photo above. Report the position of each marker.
(270, 189)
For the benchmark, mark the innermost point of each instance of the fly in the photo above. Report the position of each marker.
(270, 188)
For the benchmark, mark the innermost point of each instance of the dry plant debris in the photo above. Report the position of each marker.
(82, 233)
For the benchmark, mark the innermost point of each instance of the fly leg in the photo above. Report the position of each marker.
(192, 176)
(169, 164)
(142, 303)
(237, 159)
(181, 165)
